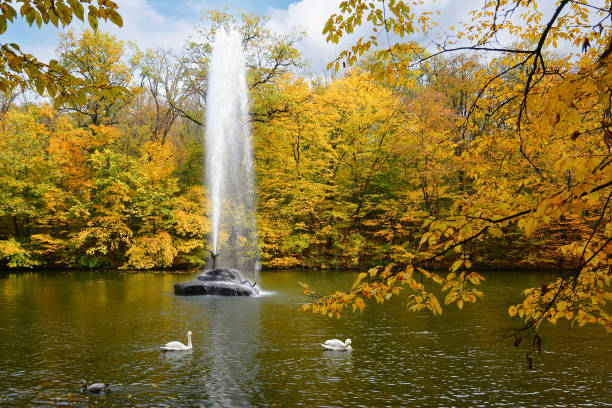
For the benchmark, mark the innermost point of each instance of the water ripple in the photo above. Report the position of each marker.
(261, 352)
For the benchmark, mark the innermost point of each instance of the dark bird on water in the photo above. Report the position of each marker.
(96, 388)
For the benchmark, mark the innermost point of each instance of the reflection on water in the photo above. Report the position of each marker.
(230, 347)
(59, 328)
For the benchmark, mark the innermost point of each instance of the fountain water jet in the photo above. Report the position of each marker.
(229, 169)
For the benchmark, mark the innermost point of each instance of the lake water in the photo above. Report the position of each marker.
(56, 329)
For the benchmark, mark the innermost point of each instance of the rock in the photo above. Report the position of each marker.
(218, 281)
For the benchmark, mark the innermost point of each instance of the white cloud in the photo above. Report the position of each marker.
(311, 16)
(142, 23)
(149, 28)
(157, 23)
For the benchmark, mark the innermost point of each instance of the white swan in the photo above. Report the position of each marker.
(177, 345)
(337, 345)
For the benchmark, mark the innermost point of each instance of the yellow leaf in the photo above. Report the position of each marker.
(456, 265)
(359, 279)
(530, 225)
(360, 304)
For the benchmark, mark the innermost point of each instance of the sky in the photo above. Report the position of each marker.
(168, 24)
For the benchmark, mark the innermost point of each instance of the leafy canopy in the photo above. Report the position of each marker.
(25, 71)
(532, 145)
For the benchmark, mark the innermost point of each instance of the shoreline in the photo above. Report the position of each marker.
(342, 269)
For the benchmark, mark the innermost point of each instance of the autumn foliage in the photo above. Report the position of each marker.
(424, 163)
(531, 144)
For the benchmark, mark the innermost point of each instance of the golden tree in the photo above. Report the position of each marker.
(534, 142)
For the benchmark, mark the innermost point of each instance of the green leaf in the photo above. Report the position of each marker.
(93, 21)
(25, 9)
(65, 14)
(116, 18)
(82, 96)
(30, 16)
(59, 100)
(51, 89)
(40, 86)
(53, 17)
(93, 11)
(77, 8)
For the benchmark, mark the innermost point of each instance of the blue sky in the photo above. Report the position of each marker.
(169, 23)
(150, 23)
(256, 6)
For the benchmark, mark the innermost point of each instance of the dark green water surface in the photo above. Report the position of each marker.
(56, 329)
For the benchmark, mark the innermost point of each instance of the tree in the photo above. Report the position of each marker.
(269, 56)
(535, 138)
(96, 58)
(336, 170)
(18, 69)
(291, 163)
(24, 177)
(164, 92)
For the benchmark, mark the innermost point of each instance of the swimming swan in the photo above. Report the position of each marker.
(337, 345)
(177, 345)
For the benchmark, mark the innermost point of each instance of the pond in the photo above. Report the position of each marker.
(56, 329)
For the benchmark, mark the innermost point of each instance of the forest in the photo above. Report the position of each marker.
(403, 159)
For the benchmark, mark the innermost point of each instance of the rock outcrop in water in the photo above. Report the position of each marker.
(218, 281)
